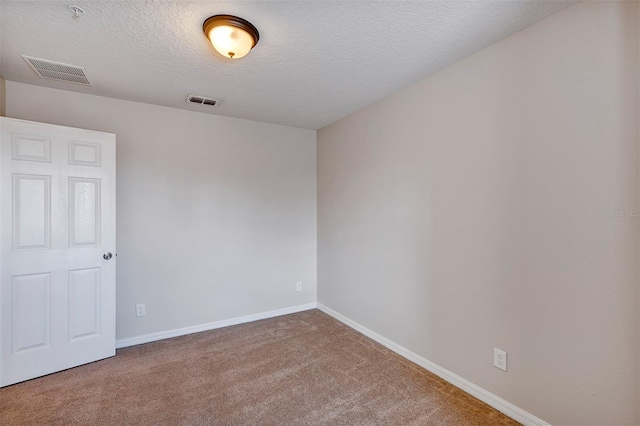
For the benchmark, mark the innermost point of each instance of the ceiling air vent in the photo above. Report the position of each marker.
(202, 100)
(57, 71)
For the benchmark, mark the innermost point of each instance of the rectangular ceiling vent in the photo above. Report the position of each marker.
(202, 100)
(57, 71)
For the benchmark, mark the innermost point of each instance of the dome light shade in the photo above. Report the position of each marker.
(231, 36)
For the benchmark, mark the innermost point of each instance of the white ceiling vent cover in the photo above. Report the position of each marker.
(57, 71)
(202, 100)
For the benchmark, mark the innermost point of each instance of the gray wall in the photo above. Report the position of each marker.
(216, 217)
(470, 211)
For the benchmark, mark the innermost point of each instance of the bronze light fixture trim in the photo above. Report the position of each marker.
(230, 35)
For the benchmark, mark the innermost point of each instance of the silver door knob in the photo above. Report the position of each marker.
(107, 256)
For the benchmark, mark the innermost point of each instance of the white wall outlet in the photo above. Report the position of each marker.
(141, 310)
(299, 286)
(500, 359)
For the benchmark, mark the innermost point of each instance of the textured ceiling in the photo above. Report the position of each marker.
(316, 61)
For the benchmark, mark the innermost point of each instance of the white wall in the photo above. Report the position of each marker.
(216, 217)
(468, 211)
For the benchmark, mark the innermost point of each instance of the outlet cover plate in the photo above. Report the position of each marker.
(141, 310)
(500, 359)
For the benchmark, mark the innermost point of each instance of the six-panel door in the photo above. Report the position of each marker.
(57, 292)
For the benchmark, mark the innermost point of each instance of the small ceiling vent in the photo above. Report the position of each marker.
(57, 71)
(202, 100)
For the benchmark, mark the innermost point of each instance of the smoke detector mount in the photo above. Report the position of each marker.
(77, 11)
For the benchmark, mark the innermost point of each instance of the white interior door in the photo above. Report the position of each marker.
(57, 220)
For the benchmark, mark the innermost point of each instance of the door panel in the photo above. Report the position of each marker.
(84, 153)
(84, 212)
(84, 303)
(31, 148)
(31, 212)
(57, 218)
(31, 305)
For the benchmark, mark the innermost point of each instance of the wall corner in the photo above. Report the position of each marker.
(3, 97)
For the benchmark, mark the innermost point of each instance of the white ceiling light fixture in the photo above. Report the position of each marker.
(230, 35)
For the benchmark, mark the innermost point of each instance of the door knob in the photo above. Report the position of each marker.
(107, 256)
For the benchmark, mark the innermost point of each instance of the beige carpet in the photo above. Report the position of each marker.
(300, 369)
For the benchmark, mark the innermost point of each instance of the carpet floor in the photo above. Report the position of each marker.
(300, 369)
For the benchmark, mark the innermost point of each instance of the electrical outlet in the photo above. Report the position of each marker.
(141, 310)
(500, 359)
(299, 286)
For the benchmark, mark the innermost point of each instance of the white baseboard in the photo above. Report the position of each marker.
(123, 343)
(483, 395)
